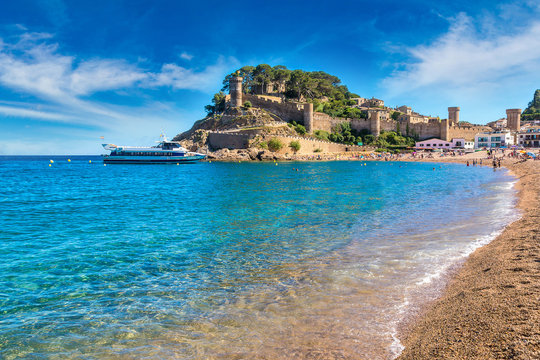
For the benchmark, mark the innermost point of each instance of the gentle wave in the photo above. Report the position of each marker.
(232, 260)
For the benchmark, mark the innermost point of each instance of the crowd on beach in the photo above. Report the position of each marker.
(492, 156)
(481, 157)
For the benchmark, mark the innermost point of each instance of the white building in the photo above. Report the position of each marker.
(498, 124)
(495, 139)
(442, 144)
(529, 136)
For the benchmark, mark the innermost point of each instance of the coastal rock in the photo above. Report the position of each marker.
(266, 155)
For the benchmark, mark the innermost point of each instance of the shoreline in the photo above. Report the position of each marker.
(490, 305)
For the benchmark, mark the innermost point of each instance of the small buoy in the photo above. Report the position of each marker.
(177, 164)
(104, 164)
(89, 161)
(69, 160)
(52, 161)
(276, 164)
(210, 161)
(50, 165)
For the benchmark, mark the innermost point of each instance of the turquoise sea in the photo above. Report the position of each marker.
(231, 260)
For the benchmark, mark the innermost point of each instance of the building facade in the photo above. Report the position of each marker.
(529, 137)
(495, 139)
(442, 144)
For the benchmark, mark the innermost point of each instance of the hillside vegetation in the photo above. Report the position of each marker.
(325, 91)
(532, 112)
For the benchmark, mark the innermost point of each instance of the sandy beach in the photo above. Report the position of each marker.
(490, 308)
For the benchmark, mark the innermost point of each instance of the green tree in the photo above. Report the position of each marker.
(369, 139)
(532, 112)
(246, 72)
(218, 104)
(280, 75)
(295, 146)
(262, 75)
(294, 83)
(275, 144)
(534, 105)
(321, 134)
(301, 129)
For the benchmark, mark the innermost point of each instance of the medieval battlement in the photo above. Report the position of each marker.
(409, 123)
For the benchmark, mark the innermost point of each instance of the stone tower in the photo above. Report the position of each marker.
(513, 119)
(444, 129)
(308, 117)
(374, 122)
(453, 115)
(235, 90)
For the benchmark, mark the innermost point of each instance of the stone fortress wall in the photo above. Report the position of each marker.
(218, 140)
(235, 140)
(428, 128)
(286, 111)
(466, 132)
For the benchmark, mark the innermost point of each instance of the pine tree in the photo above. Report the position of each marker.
(534, 105)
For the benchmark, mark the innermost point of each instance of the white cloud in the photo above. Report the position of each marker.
(101, 75)
(179, 77)
(35, 114)
(35, 66)
(467, 58)
(186, 56)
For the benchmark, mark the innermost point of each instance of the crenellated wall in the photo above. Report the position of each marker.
(325, 122)
(322, 121)
(218, 140)
(231, 140)
(286, 111)
(388, 125)
(466, 132)
(423, 130)
(420, 126)
(308, 146)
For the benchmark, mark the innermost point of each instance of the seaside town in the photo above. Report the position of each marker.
(264, 118)
(340, 181)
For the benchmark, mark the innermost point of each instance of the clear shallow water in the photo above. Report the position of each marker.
(228, 260)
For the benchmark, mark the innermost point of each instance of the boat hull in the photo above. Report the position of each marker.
(152, 160)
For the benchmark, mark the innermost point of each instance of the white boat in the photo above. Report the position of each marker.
(164, 152)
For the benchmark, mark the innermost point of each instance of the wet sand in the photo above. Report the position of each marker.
(490, 308)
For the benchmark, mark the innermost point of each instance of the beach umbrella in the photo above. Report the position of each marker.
(531, 155)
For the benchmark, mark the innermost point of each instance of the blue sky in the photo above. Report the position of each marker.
(73, 71)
